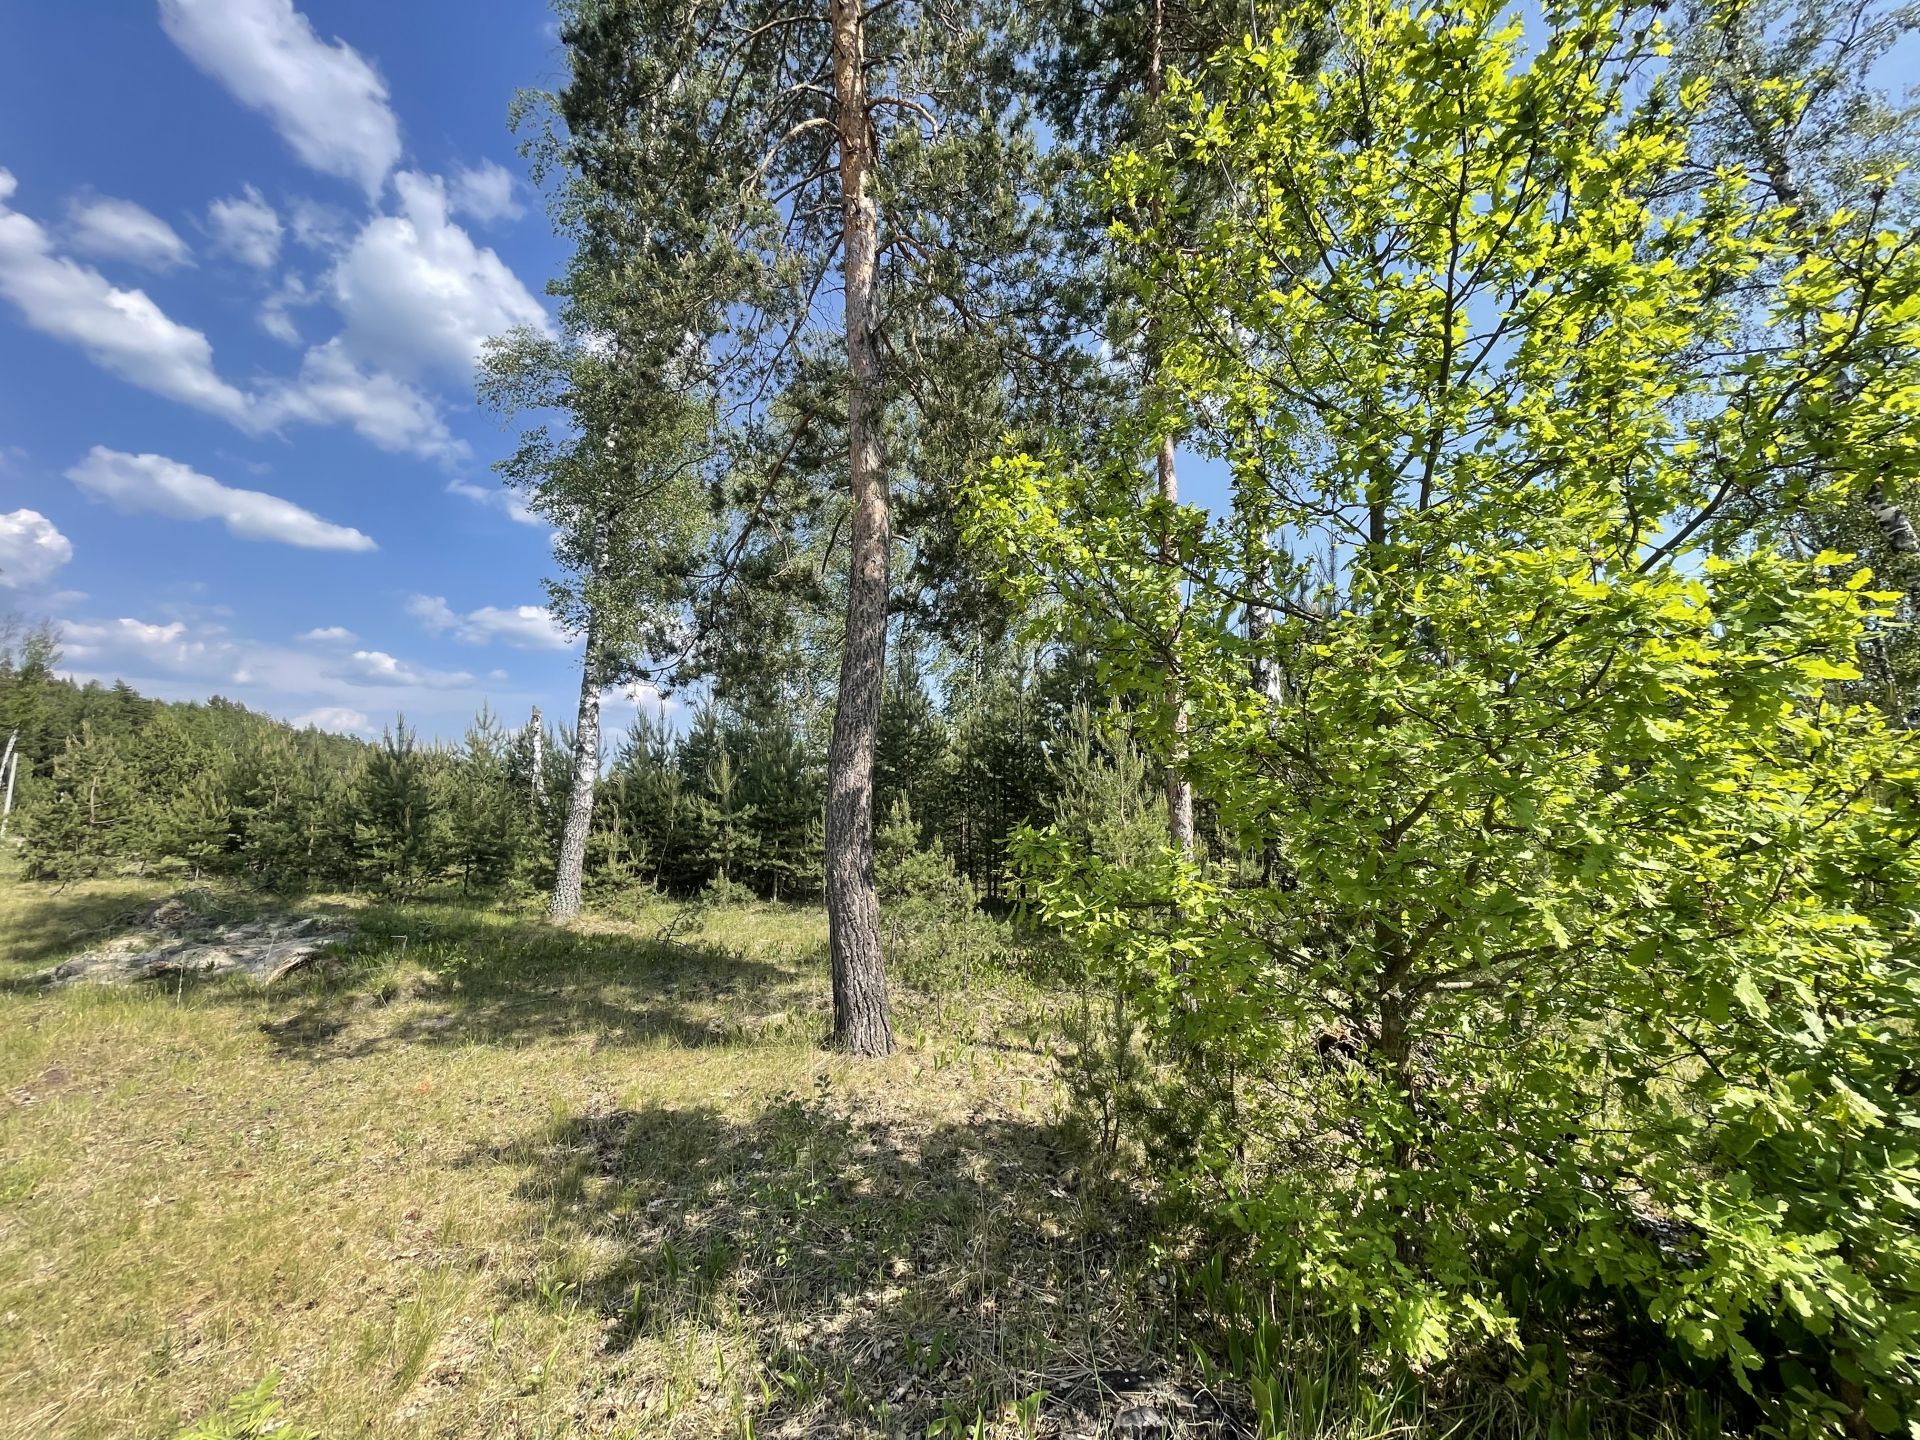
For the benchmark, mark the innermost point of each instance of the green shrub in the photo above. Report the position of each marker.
(1579, 992)
(251, 1415)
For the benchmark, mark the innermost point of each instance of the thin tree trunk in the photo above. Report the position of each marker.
(537, 748)
(1895, 526)
(586, 776)
(1893, 522)
(1179, 788)
(860, 1019)
(9, 768)
(1263, 671)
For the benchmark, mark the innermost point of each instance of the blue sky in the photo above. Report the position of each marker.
(248, 249)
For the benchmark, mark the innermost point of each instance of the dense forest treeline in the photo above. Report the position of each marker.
(732, 797)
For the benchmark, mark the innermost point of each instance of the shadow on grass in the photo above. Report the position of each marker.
(40, 925)
(464, 977)
(453, 974)
(881, 1277)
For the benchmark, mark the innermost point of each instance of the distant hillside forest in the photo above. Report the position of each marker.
(112, 781)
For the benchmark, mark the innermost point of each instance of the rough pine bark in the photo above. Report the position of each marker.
(565, 903)
(860, 1013)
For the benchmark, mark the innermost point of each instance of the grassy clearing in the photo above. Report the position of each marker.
(497, 1180)
(493, 1179)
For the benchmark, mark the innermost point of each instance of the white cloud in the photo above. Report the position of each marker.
(275, 318)
(178, 661)
(207, 656)
(329, 635)
(485, 192)
(433, 612)
(337, 718)
(246, 227)
(318, 226)
(168, 646)
(161, 486)
(120, 330)
(525, 627)
(188, 656)
(333, 389)
(419, 296)
(124, 332)
(121, 230)
(328, 103)
(499, 497)
(31, 549)
(621, 706)
(376, 667)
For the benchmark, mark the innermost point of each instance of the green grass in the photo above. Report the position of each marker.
(490, 1178)
(497, 1179)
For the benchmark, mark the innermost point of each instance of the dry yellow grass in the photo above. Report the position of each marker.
(497, 1180)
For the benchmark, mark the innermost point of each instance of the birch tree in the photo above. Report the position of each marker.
(620, 479)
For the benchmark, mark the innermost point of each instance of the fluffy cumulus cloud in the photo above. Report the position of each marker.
(157, 485)
(124, 332)
(120, 330)
(328, 103)
(31, 549)
(186, 659)
(376, 667)
(485, 192)
(246, 227)
(418, 296)
(338, 718)
(329, 635)
(121, 230)
(525, 627)
(334, 389)
(171, 648)
(319, 227)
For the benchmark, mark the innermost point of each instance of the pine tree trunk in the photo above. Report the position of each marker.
(586, 775)
(860, 1020)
